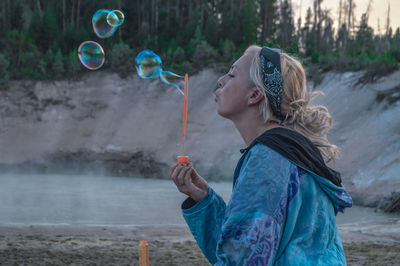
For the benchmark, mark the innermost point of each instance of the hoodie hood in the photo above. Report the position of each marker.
(337, 194)
(302, 152)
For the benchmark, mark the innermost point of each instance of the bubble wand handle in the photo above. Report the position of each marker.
(184, 159)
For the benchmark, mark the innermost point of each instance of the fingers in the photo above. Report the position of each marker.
(172, 169)
(181, 176)
(178, 173)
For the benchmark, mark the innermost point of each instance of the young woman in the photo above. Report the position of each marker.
(284, 200)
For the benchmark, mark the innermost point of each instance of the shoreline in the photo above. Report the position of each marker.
(168, 245)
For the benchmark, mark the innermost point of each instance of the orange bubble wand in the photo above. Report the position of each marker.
(184, 159)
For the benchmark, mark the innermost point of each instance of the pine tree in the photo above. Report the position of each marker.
(120, 62)
(73, 65)
(269, 16)
(58, 65)
(4, 63)
(364, 37)
(211, 31)
(286, 24)
(249, 22)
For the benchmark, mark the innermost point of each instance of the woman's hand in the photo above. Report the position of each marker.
(189, 182)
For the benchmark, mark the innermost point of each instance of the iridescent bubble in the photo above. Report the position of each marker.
(115, 18)
(148, 64)
(100, 23)
(172, 79)
(91, 55)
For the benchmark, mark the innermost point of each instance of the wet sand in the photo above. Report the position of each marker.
(168, 245)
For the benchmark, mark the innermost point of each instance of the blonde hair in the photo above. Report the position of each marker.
(313, 121)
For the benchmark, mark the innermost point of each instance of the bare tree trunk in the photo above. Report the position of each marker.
(388, 21)
(138, 14)
(202, 15)
(177, 10)
(379, 27)
(72, 13)
(340, 15)
(64, 13)
(78, 9)
(167, 22)
(4, 20)
(349, 16)
(156, 17)
(39, 7)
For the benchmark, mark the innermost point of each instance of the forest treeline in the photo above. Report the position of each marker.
(39, 38)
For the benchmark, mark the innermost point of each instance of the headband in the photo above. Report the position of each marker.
(271, 75)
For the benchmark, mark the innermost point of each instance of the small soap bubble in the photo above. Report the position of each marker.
(172, 79)
(91, 55)
(100, 23)
(115, 18)
(148, 64)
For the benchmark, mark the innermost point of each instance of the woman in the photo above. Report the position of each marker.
(284, 200)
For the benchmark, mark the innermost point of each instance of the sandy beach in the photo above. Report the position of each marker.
(168, 245)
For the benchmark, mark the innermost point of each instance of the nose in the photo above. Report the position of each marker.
(220, 83)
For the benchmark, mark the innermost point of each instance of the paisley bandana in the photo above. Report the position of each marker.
(271, 75)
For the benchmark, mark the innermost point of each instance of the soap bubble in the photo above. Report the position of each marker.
(91, 55)
(171, 79)
(148, 64)
(100, 23)
(115, 18)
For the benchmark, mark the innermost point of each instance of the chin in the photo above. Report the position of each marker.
(222, 113)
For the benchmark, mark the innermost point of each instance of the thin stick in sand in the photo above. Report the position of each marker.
(144, 253)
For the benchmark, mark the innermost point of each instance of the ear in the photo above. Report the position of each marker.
(255, 97)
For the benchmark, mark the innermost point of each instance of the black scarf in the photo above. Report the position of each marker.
(298, 149)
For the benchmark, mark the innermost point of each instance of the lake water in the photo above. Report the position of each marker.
(117, 201)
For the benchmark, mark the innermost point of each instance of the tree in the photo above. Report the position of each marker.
(250, 22)
(307, 32)
(58, 65)
(49, 30)
(120, 59)
(286, 24)
(4, 63)
(269, 16)
(364, 37)
(73, 65)
(203, 54)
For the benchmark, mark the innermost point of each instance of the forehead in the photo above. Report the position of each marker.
(242, 65)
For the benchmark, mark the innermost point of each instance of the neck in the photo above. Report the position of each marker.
(252, 127)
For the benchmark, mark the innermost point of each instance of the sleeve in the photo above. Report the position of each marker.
(204, 220)
(251, 229)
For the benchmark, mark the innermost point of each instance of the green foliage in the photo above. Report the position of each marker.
(48, 60)
(4, 63)
(250, 22)
(73, 64)
(120, 63)
(228, 50)
(58, 65)
(204, 54)
(186, 34)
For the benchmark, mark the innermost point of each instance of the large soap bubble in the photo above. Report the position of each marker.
(148, 64)
(91, 55)
(115, 18)
(100, 23)
(172, 79)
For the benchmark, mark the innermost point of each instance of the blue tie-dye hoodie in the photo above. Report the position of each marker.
(279, 214)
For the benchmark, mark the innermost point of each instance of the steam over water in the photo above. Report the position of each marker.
(115, 201)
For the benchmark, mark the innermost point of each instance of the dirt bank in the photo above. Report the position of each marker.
(104, 125)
